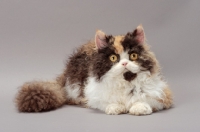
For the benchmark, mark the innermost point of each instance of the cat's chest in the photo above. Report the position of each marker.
(120, 89)
(99, 94)
(114, 89)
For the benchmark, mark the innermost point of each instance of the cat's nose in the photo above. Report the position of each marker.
(124, 63)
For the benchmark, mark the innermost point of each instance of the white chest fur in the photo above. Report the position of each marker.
(100, 94)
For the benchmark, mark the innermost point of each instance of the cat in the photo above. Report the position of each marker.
(115, 74)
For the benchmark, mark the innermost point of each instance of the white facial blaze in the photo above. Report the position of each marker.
(130, 65)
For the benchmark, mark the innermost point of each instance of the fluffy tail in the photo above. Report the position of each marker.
(40, 96)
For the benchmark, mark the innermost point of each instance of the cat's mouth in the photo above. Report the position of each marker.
(129, 76)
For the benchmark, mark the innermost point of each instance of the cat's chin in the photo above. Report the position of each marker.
(129, 76)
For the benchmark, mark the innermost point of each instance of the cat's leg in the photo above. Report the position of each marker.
(140, 108)
(152, 104)
(165, 102)
(115, 109)
(40, 96)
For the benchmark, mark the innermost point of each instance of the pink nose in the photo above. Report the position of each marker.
(124, 64)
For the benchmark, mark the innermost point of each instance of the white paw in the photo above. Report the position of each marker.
(115, 109)
(140, 108)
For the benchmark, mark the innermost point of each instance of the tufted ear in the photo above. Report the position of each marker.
(139, 35)
(100, 39)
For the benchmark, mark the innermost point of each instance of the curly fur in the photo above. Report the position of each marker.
(91, 79)
(40, 96)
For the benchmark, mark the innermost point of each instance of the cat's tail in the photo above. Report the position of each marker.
(40, 96)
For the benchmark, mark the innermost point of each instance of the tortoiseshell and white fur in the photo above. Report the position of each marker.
(93, 79)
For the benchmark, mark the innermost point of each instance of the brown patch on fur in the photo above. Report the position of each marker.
(79, 62)
(117, 44)
(131, 93)
(72, 102)
(129, 76)
(80, 101)
(110, 40)
(167, 98)
(78, 66)
(89, 48)
(156, 67)
(101, 62)
(61, 80)
(154, 109)
(40, 96)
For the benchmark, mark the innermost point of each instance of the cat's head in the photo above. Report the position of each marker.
(125, 55)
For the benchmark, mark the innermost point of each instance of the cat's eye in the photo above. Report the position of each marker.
(133, 56)
(113, 58)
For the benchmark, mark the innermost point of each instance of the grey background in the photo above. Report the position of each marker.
(36, 37)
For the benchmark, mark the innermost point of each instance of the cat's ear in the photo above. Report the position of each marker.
(100, 39)
(139, 34)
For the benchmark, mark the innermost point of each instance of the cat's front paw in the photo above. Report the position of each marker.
(115, 109)
(140, 108)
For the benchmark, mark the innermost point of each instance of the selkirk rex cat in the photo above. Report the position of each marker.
(115, 74)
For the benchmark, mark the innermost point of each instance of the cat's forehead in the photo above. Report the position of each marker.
(124, 44)
(117, 44)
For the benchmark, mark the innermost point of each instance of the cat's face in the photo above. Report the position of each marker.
(123, 55)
